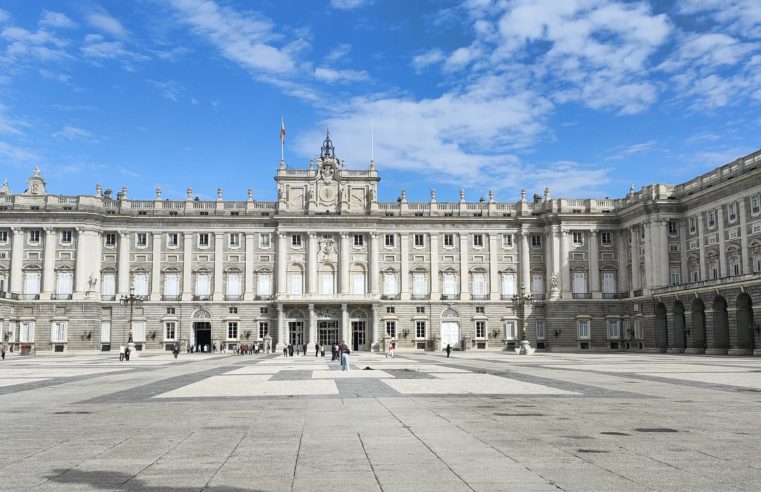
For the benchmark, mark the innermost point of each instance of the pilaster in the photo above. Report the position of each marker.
(702, 248)
(187, 266)
(374, 273)
(464, 268)
(48, 272)
(219, 293)
(281, 266)
(494, 284)
(156, 267)
(744, 252)
(404, 266)
(634, 247)
(565, 267)
(722, 250)
(345, 334)
(435, 291)
(17, 259)
(248, 287)
(594, 264)
(312, 328)
(343, 268)
(123, 268)
(312, 265)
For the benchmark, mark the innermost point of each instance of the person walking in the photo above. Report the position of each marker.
(121, 353)
(126, 354)
(322, 350)
(304, 348)
(332, 353)
(285, 351)
(449, 350)
(316, 349)
(290, 350)
(176, 350)
(345, 361)
(2, 350)
(391, 349)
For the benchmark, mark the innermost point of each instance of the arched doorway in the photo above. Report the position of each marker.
(745, 323)
(200, 336)
(720, 324)
(680, 337)
(698, 325)
(450, 328)
(661, 327)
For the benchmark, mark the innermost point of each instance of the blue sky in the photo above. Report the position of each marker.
(583, 96)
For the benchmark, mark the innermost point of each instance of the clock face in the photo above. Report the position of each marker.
(327, 195)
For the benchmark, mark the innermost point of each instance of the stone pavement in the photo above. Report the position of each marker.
(418, 422)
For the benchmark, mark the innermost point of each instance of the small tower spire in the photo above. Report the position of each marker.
(327, 149)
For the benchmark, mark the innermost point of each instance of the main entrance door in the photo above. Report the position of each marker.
(202, 335)
(327, 332)
(296, 332)
(358, 331)
(450, 334)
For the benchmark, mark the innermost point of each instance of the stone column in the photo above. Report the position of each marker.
(701, 248)
(684, 267)
(556, 262)
(17, 259)
(282, 329)
(665, 261)
(345, 334)
(374, 328)
(548, 260)
(374, 273)
(494, 286)
(634, 247)
(648, 283)
(565, 267)
(156, 267)
(219, 288)
(48, 272)
(744, 252)
(312, 333)
(85, 262)
(525, 263)
(187, 266)
(722, 252)
(248, 287)
(594, 264)
(312, 264)
(621, 255)
(464, 268)
(281, 265)
(123, 271)
(343, 268)
(435, 290)
(404, 266)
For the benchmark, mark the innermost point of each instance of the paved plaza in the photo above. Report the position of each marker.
(417, 422)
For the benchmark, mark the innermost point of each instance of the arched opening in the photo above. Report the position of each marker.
(744, 322)
(698, 325)
(680, 337)
(661, 327)
(720, 323)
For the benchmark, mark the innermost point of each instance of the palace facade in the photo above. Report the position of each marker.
(668, 268)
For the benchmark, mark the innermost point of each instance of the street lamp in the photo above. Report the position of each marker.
(131, 300)
(520, 301)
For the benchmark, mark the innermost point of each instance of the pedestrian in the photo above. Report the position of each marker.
(322, 350)
(298, 347)
(285, 351)
(126, 354)
(449, 350)
(334, 352)
(391, 348)
(304, 349)
(345, 362)
(290, 350)
(176, 350)
(268, 348)
(2, 350)
(121, 353)
(316, 349)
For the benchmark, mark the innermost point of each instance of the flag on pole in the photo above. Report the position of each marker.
(282, 131)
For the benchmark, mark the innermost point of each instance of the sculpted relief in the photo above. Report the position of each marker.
(328, 252)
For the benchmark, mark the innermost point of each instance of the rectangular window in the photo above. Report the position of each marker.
(232, 330)
(110, 239)
(108, 284)
(420, 329)
(614, 329)
(637, 329)
(582, 329)
(171, 310)
(419, 284)
(202, 285)
(65, 283)
(31, 283)
(389, 284)
(388, 240)
(390, 310)
(263, 310)
(578, 239)
(141, 239)
(419, 240)
(264, 329)
(264, 240)
(170, 284)
(510, 330)
(234, 238)
(479, 284)
(711, 218)
(537, 284)
(605, 239)
(203, 239)
(296, 240)
(732, 212)
(608, 282)
(673, 228)
(450, 287)
(359, 240)
(66, 236)
(34, 236)
(675, 278)
(26, 331)
(508, 284)
(536, 241)
(169, 330)
(58, 332)
(172, 239)
(358, 283)
(540, 330)
(480, 329)
(233, 284)
(105, 332)
(391, 329)
(326, 283)
(507, 240)
(579, 283)
(755, 204)
(263, 285)
(3, 236)
(448, 240)
(478, 240)
(296, 283)
(480, 310)
(138, 331)
(420, 309)
(692, 224)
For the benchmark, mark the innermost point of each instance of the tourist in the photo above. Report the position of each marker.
(449, 349)
(121, 353)
(176, 350)
(345, 362)
(304, 348)
(316, 349)
(285, 351)
(2, 350)
(290, 350)
(322, 350)
(391, 349)
(126, 354)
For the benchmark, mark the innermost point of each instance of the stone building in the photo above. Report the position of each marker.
(667, 268)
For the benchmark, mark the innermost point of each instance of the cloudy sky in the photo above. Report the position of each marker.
(583, 96)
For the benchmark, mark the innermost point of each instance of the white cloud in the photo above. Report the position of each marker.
(56, 20)
(10, 125)
(737, 15)
(245, 39)
(169, 90)
(427, 59)
(97, 47)
(348, 4)
(38, 44)
(621, 153)
(331, 75)
(69, 132)
(461, 58)
(337, 53)
(105, 22)
(567, 179)
(16, 155)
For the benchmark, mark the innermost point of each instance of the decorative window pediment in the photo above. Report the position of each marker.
(233, 269)
(358, 313)
(64, 268)
(201, 313)
(170, 270)
(420, 269)
(478, 269)
(32, 267)
(108, 269)
(295, 313)
(449, 312)
(202, 271)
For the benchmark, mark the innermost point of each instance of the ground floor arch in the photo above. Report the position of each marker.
(745, 337)
(720, 323)
(698, 325)
(661, 327)
(680, 337)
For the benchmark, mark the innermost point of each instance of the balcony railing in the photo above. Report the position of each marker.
(202, 298)
(390, 297)
(229, 297)
(448, 297)
(540, 297)
(263, 297)
(60, 297)
(108, 297)
(612, 295)
(582, 295)
(420, 297)
(8, 295)
(170, 298)
(479, 297)
(28, 297)
(638, 293)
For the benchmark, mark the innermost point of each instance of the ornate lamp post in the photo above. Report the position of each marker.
(131, 300)
(520, 301)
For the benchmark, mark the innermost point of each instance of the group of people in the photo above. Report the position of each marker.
(124, 352)
(339, 352)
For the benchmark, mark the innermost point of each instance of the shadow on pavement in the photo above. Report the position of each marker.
(110, 480)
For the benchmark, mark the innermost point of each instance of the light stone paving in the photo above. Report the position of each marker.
(475, 422)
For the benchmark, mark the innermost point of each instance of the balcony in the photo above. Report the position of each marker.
(420, 297)
(263, 297)
(612, 295)
(390, 297)
(540, 297)
(229, 297)
(60, 297)
(29, 297)
(479, 297)
(8, 295)
(202, 298)
(171, 298)
(582, 295)
(638, 293)
(448, 297)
